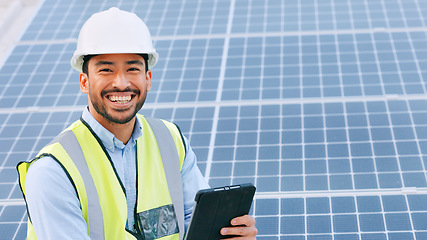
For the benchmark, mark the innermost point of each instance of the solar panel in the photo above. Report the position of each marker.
(320, 104)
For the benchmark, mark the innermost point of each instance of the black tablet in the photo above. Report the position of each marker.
(216, 207)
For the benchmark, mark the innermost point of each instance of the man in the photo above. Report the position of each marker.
(115, 174)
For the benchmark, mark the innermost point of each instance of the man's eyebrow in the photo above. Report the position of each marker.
(134, 62)
(99, 63)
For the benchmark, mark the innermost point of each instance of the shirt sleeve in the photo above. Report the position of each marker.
(52, 202)
(192, 181)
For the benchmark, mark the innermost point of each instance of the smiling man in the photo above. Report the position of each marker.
(115, 174)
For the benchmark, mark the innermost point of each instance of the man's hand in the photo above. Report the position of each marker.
(243, 226)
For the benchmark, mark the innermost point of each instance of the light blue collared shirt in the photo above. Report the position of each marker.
(54, 207)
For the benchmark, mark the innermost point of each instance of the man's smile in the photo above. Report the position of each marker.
(120, 97)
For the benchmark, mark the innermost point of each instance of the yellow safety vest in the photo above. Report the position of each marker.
(159, 208)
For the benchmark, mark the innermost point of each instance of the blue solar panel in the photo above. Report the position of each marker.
(320, 104)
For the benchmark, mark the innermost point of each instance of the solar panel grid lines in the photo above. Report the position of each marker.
(28, 90)
(416, 136)
(2, 131)
(219, 93)
(8, 83)
(417, 62)
(398, 68)
(185, 48)
(162, 17)
(206, 14)
(323, 15)
(48, 17)
(367, 85)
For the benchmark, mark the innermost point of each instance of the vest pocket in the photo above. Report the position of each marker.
(158, 222)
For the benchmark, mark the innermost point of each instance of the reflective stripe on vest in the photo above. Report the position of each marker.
(172, 162)
(95, 219)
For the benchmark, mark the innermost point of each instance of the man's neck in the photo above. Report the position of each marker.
(122, 132)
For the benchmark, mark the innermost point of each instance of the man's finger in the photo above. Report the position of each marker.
(245, 220)
(242, 226)
(239, 231)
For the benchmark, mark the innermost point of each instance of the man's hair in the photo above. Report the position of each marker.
(86, 59)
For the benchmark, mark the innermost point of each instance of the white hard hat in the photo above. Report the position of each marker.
(113, 31)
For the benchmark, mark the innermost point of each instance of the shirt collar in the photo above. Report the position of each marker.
(107, 138)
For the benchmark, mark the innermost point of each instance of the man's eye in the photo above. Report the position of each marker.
(133, 69)
(105, 70)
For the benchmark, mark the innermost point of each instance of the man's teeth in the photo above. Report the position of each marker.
(120, 99)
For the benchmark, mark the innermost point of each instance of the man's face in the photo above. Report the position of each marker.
(117, 85)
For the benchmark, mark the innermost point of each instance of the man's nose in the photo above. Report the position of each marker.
(121, 81)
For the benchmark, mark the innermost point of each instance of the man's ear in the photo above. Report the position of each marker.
(84, 82)
(148, 78)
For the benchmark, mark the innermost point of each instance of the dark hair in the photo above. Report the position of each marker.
(86, 59)
(145, 57)
(85, 64)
